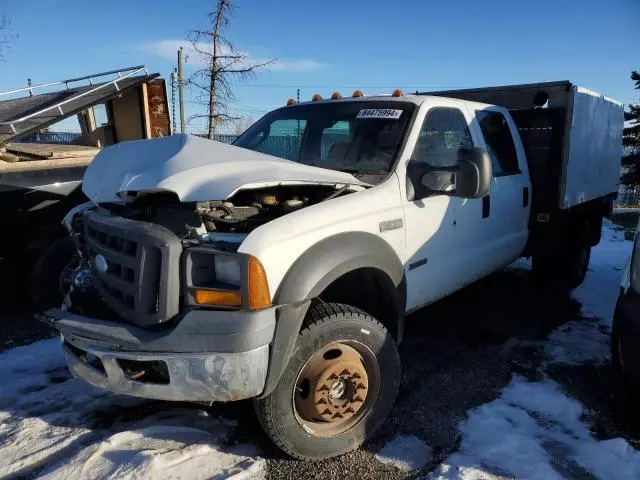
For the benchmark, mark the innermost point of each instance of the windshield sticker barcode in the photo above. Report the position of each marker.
(388, 113)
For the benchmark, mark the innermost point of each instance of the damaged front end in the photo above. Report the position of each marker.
(134, 321)
(159, 302)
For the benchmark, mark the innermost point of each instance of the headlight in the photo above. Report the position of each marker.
(634, 267)
(209, 269)
(214, 278)
(227, 270)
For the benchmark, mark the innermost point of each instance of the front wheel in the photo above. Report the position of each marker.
(338, 387)
(46, 288)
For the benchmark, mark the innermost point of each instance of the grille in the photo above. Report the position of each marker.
(141, 282)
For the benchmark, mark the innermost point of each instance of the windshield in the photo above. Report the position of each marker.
(362, 138)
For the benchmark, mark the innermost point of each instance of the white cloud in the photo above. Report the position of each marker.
(296, 65)
(168, 49)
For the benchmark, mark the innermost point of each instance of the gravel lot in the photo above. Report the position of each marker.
(457, 354)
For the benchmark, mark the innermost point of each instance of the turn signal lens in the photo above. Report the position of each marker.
(397, 93)
(357, 94)
(316, 97)
(213, 297)
(258, 287)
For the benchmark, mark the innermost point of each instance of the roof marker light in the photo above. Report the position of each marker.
(336, 96)
(357, 94)
(291, 102)
(316, 97)
(397, 93)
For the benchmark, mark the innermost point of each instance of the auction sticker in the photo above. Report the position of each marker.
(389, 113)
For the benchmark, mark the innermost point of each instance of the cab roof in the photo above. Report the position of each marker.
(409, 98)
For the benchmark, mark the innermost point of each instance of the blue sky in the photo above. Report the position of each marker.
(338, 45)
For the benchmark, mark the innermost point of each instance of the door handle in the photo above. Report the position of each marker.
(486, 206)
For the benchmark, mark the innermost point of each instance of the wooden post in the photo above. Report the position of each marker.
(181, 90)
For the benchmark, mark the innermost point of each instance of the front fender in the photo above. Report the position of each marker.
(332, 257)
(314, 271)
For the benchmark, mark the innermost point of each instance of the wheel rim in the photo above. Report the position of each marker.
(336, 388)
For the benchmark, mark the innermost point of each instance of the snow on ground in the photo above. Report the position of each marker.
(578, 342)
(52, 425)
(583, 341)
(57, 427)
(534, 430)
(406, 452)
(599, 292)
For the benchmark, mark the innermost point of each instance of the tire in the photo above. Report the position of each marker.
(625, 392)
(577, 265)
(46, 291)
(283, 413)
(566, 271)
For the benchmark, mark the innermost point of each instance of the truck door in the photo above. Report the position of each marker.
(431, 221)
(493, 231)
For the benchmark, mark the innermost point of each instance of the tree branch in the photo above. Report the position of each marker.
(222, 62)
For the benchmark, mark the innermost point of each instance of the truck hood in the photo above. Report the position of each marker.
(195, 169)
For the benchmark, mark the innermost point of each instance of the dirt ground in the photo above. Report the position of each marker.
(457, 354)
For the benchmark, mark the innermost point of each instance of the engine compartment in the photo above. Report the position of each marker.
(241, 213)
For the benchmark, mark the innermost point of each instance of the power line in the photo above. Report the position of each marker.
(240, 108)
(407, 87)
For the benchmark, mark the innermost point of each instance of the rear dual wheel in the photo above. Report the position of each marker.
(566, 270)
(567, 267)
(338, 387)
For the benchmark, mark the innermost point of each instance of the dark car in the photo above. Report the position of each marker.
(625, 341)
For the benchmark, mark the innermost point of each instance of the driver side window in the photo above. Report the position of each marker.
(443, 132)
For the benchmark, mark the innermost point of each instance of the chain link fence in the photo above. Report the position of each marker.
(628, 197)
(49, 137)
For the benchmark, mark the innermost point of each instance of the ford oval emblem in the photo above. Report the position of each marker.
(101, 263)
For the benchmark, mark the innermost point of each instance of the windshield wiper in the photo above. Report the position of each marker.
(355, 171)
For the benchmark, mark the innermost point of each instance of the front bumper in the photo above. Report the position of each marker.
(220, 377)
(208, 356)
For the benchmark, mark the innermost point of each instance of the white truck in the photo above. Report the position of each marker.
(282, 267)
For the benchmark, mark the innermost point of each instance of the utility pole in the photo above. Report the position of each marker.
(181, 90)
(174, 86)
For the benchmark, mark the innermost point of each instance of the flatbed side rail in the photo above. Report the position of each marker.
(10, 126)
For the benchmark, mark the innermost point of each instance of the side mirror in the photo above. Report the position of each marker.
(471, 176)
(474, 174)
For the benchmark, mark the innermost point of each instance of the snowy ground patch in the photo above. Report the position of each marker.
(58, 427)
(599, 292)
(534, 431)
(578, 342)
(405, 452)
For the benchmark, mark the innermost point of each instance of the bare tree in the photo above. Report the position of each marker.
(222, 63)
(6, 37)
